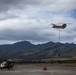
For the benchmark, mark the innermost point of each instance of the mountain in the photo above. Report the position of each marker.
(27, 51)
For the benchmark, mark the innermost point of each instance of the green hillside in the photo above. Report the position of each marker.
(27, 51)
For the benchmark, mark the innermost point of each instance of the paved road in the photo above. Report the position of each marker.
(38, 70)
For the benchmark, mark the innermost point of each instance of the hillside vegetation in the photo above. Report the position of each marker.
(27, 51)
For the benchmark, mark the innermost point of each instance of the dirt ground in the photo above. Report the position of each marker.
(38, 69)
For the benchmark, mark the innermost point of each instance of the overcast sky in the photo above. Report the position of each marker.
(31, 20)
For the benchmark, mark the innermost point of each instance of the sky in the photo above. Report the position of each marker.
(31, 20)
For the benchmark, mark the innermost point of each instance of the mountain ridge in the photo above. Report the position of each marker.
(28, 51)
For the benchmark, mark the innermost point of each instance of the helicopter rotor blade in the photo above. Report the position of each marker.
(65, 23)
(52, 24)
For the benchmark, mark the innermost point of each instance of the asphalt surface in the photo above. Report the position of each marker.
(39, 70)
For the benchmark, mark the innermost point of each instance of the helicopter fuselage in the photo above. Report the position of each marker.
(57, 26)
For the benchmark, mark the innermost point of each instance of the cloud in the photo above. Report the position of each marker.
(31, 20)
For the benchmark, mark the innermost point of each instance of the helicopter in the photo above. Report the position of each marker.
(7, 64)
(59, 26)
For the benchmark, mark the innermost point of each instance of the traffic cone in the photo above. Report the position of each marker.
(45, 68)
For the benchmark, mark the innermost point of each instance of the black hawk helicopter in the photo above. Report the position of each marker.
(7, 64)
